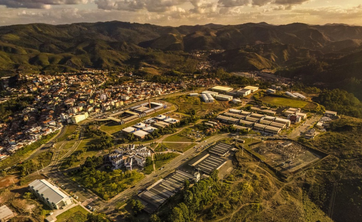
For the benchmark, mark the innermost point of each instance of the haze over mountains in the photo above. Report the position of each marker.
(324, 53)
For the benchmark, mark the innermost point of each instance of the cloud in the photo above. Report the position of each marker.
(290, 2)
(136, 5)
(235, 3)
(40, 4)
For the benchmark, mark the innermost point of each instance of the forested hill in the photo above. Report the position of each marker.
(328, 54)
(110, 44)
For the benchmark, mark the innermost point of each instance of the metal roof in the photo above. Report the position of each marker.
(49, 191)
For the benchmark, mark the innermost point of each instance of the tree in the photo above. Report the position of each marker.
(97, 218)
(215, 175)
(177, 215)
(185, 212)
(155, 218)
(136, 206)
(187, 184)
(27, 195)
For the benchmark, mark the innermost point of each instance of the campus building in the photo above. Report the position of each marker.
(49, 194)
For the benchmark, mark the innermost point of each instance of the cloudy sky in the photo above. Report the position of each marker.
(181, 12)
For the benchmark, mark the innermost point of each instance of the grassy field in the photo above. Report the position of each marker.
(177, 138)
(282, 101)
(160, 163)
(182, 147)
(76, 213)
(69, 130)
(183, 144)
(186, 103)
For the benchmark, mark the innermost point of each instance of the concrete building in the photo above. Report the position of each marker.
(223, 97)
(330, 113)
(128, 156)
(212, 93)
(252, 88)
(49, 194)
(243, 92)
(140, 134)
(6, 213)
(79, 118)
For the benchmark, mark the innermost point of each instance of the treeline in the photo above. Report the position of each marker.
(340, 101)
(106, 184)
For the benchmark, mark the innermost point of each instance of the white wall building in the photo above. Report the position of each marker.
(49, 194)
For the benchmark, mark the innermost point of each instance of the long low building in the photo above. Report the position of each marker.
(238, 127)
(223, 97)
(271, 129)
(220, 149)
(234, 115)
(252, 119)
(156, 194)
(227, 119)
(222, 89)
(49, 194)
(246, 123)
(260, 127)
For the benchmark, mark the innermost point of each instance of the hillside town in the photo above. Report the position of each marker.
(70, 99)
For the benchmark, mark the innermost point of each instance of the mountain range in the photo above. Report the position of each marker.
(319, 53)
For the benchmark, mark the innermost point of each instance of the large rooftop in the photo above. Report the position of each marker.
(49, 191)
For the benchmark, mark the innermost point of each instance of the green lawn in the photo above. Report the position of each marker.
(177, 138)
(282, 101)
(76, 213)
(182, 147)
(69, 130)
(186, 103)
(159, 163)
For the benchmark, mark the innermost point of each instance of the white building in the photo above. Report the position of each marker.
(128, 156)
(78, 118)
(49, 194)
(252, 88)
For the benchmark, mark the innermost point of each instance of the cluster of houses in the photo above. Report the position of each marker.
(243, 120)
(70, 99)
(142, 129)
(129, 156)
